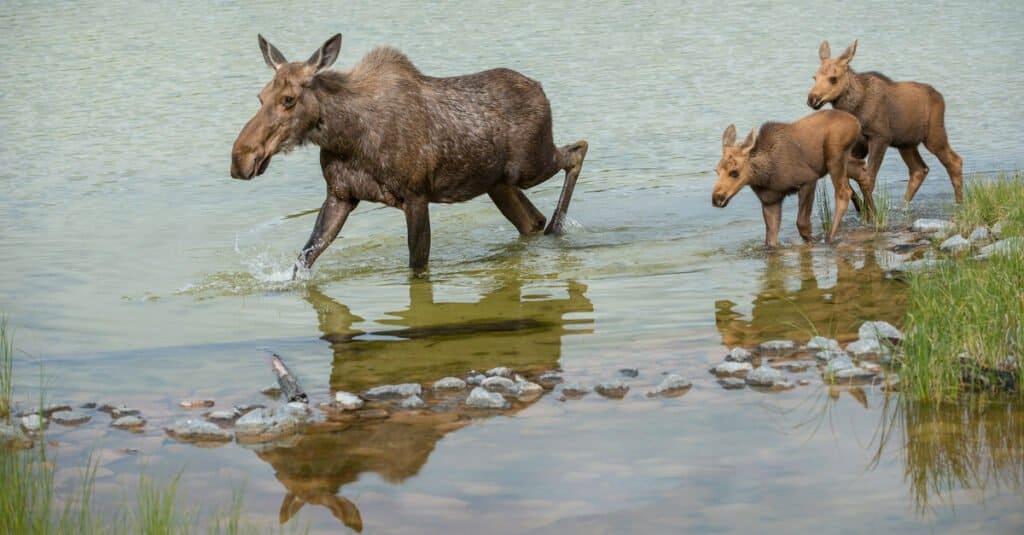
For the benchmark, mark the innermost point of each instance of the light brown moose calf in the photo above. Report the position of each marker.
(786, 158)
(891, 114)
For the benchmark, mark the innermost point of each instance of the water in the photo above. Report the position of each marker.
(134, 270)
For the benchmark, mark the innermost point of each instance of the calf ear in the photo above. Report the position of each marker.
(271, 55)
(729, 136)
(326, 55)
(847, 54)
(748, 144)
(824, 52)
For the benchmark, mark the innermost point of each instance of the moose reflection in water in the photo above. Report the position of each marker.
(431, 340)
(794, 304)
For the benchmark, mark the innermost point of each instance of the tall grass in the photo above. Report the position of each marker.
(6, 369)
(964, 327)
(884, 206)
(823, 201)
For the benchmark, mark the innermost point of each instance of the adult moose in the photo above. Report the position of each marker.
(786, 158)
(891, 114)
(390, 134)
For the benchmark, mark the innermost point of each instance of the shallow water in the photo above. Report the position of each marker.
(135, 271)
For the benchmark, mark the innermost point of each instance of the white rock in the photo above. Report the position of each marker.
(348, 401)
(394, 391)
(854, 373)
(612, 389)
(823, 343)
(412, 402)
(575, 389)
(931, 225)
(738, 354)
(764, 376)
(527, 390)
(199, 431)
(866, 346)
(955, 244)
(32, 423)
(1003, 247)
(500, 371)
(837, 365)
(731, 368)
(878, 330)
(979, 234)
(498, 383)
(777, 346)
(449, 383)
(481, 398)
(673, 385)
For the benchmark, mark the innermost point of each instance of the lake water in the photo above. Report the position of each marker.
(134, 270)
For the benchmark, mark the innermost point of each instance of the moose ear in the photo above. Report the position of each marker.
(748, 144)
(271, 55)
(326, 55)
(847, 54)
(824, 52)
(729, 136)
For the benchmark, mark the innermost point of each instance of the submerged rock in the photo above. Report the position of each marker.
(732, 383)
(879, 330)
(1003, 247)
(575, 390)
(122, 411)
(197, 403)
(32, 423)
(931, 225)
(955, 244)
(866, 346)
(268, 424)
(449, 383)
(979, 234)
(830, 354)
(672, 386)
(837, 365)
(497, 383)
(854, 374)
(764, 376)
(914, 266)
(549, 379)
(481, 398)
(629, 372)
(412, 402)
(191, 430)
(612, 389)
(222, 416)
(128, 422)
(793, 366)
(738, 354)
(11, 436)
(70, 417)
(731, 368)
(394, 391)
(347, 401)
(501, 371)
(777, 346)
(526, 390)
(823, 343)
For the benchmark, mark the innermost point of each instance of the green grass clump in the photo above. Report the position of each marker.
(824, 203)
(964, 331)
(6, 369)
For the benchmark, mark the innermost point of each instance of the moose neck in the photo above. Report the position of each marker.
(340, 119)
(761, 169)
(852, 98)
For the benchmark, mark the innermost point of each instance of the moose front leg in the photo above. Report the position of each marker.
(876, 152)
(333, 214)
(417, 222)
(772, 220)
(805, 204)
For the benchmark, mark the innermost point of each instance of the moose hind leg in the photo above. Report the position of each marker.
(938, 145)
(417, 222)
(517, 208)
(918, 170)
(805, 203)
(571, 159)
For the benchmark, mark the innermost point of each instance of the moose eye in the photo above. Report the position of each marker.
(734, 173)
(288, 101)
(832, 80)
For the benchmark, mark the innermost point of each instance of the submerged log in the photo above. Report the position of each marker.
(289, 383)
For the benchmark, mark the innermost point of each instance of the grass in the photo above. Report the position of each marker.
(824, 204)
(884, 205)
(6, 369)
(964, 330)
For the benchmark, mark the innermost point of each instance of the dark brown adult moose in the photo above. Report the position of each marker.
(388, 133)
(891, 114)
(786, 158)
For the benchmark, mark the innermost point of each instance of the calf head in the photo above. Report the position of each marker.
(734, 169)
(288, 109)
(833, 76)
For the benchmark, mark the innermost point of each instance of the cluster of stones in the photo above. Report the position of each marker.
(987, 242)
(767, 366)
(27, 426)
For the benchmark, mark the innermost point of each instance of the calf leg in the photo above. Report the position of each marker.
(571, 159)
(517, 208)
(843, 192)
(938, 145)
(772, 220)
(417, 223)
(856, 171)
(329, 221)
(918, 170)
(805, 204)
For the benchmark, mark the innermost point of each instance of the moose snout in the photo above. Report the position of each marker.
(814, 101)
(245, 164)
(719, 200)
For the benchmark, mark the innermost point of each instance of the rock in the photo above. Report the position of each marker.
(394, 391)
(890, 383)
(853, 374)
(732, 383)
(738, 354)
(123, 411)
(905, 248)
(931, 225)
(128, 422)
(88, 405)
(373, 414)
(192, 430)
(481, 398)
(629, 372)
(246, 407)
(51, 408)
(731, 368)
(866, 346)
(222, 416)
(764, 376)
(497, 383)
(778, 346)
(412, 402)
(574, 390)
(549, 379)
(997, 230)
(673, 385)
(266, 424)
(475, 378)
(879, 330)
(612, 389)
(197, 403)
(838, 364)
(526, 390)
(823, 343)
(500, 371)
(449, 383)
(32, 423)
(1003, 247)
(793, 366)
(347, 401)
(955, 244)
(870, 366)
(70, 418)
(979, 234)
(11, 436)
(272, 391)
(914, 266)
(830, 354)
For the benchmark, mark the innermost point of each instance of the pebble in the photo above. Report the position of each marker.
(879, 330)
(394, 391)
(197, 403)
(931, 225)
(549, 379)
(500, 371)
(738, 354)
(673, 385)
(449, 383)
(412, 402)
(574, 390)
(629, 372)
(130, 421)
(526, 390)
(731, 368)
(866, 346)
(777, 346)
(955, 244)
(70, 417)
(481, 398)
(764, 376)
(979, 234)
(32, 423)
(498, 383)
(222, 416)
(192, 430)
(823, 343)
(348, 401)
(732, 383)
(612, 389)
